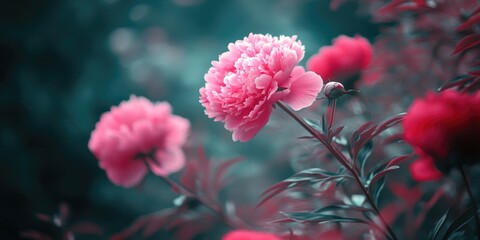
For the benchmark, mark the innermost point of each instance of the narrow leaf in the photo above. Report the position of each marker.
(382, 174)
(472, 20)
(467, 42)
(438, 225)
(398, 160)
(342, 207)
(221, 171)
(336, 131)
(461, 221)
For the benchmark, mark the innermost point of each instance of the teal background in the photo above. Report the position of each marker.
(64, 63)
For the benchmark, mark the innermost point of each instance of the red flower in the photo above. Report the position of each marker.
(249, 235)
(444, 130)
(345, 58)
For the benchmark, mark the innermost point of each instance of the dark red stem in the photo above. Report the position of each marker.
(344, 161)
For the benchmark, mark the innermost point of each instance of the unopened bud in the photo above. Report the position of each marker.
(333, 90)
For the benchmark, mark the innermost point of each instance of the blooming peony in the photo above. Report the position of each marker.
(242, 86)
(249, 235)
(135, 134)
(345, 58)
(444, 129)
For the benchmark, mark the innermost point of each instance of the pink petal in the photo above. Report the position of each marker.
(304, 89)
(250, 129)
(167, 161)
(424, 170)
(129, 174)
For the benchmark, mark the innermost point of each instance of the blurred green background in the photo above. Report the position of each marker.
(64, 63)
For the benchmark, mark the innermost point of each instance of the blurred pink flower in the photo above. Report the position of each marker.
(443, 129)
(345, 58)
(249, 235)
(242, 86)
(135, 134)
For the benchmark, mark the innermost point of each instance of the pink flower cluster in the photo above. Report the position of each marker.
(443, 128)
(345, 58)
(135, 134)
(242, 86)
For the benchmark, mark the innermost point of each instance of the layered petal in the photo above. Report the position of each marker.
(304, 89)
(241, 87)
(135, 132)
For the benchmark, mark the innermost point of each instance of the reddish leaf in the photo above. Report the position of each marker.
(64, 212)
(390, 122)
(467, 42)
(391, 211)
(381, 174)
(35, 235)
(43, 217)
(477, 10)
(434, 199)
(157, 221)
(398, 160)
(135, 227)
(412, 7)
(410, 196)
(389, 8)
(456, 82)
(334, 4)
(85, 228)
(273, 191)
(475, 73)
(475, 19)
(189, 175)
(336, 131)
(222, 169)
(305, 176)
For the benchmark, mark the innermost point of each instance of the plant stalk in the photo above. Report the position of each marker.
(331, 113)
(344, 161)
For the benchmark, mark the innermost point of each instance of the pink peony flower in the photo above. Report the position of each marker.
(443, 129)
(135, 134)
(249, 235)
(257, 71)
(345, 58)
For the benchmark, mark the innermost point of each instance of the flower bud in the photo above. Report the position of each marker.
(333, 90)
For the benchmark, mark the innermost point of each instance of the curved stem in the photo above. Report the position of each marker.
(472, 199)
(344, 161)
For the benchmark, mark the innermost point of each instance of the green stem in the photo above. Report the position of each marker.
(344, 161)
